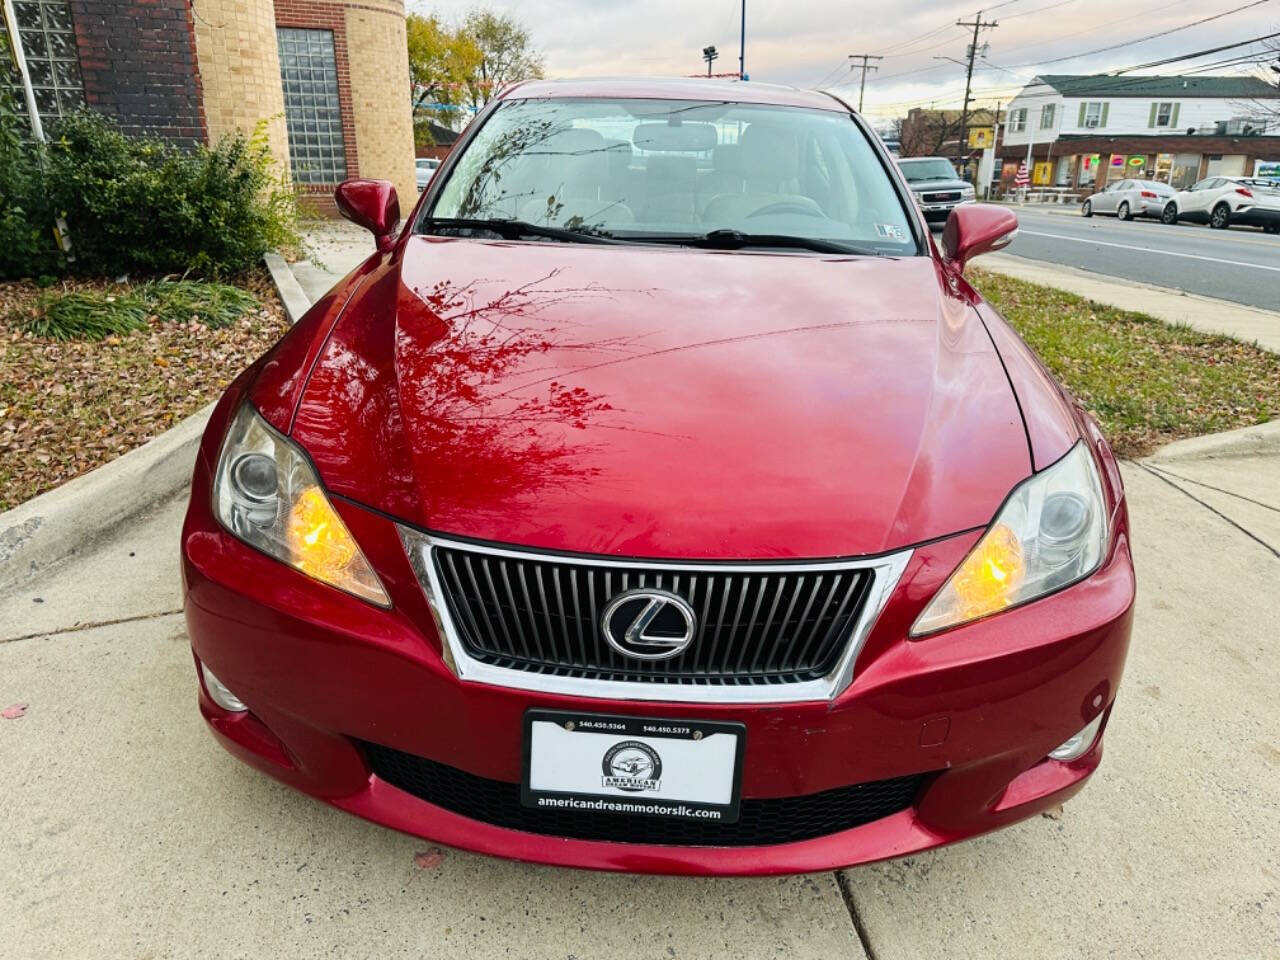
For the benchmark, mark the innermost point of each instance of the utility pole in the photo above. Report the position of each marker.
(978, 26)
(864, 67)
(709, 54)
(742, 45)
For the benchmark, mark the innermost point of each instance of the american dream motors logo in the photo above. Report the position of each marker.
(632, 766)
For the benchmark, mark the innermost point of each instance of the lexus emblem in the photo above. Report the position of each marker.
(649, 624)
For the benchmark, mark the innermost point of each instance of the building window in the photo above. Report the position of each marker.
(1018, 120)
(312, 112)
(1163, 115)
(1047, 116)
(49, 42)
(1093, 114)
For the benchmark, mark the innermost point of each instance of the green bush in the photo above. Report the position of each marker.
(27, 246)
(135, 204)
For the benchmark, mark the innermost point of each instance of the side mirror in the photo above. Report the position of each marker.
(975, 229)
(372, 204)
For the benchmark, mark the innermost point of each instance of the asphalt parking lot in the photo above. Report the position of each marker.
(125, 831)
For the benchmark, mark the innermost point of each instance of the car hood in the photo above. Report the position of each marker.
(664, 402)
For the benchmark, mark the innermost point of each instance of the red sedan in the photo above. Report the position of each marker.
(660, 497)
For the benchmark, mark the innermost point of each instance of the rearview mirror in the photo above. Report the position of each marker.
(975, 229)
(675, 137)
(372, 204)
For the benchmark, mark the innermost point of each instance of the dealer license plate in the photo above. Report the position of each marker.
(687, 769)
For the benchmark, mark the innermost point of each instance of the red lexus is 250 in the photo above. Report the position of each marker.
(660, 497)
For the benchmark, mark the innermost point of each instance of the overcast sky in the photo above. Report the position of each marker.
(806, 42)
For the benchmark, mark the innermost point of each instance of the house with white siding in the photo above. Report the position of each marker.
(1081, 131)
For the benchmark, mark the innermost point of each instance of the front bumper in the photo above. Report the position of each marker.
(973, 712)
(938, 212)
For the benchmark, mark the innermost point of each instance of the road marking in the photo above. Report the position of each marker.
(1165, 253)
(1151, 225)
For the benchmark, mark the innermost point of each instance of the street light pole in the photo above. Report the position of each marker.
(709, 54)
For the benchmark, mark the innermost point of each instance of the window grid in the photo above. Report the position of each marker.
(49, 43)
(312, 110)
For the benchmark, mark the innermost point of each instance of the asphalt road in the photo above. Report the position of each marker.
(1240, 264)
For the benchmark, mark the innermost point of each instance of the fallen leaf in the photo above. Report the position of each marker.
(429, 859)
(14, 711)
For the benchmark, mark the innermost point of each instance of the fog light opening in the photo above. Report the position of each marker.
(219, 693)
(1081, 743)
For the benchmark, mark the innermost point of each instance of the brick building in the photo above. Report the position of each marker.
(328, 79)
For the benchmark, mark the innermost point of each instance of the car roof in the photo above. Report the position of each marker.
(674, 88)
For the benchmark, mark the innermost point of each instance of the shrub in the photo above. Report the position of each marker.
(135, 204)
(26, 217)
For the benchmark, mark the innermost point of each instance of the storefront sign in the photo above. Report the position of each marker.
(1267, 169)
(1137, 161)
(1117, 160)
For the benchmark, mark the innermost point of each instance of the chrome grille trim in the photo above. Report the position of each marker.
(885, 570)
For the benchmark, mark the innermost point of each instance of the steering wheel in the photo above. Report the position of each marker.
(787, 206)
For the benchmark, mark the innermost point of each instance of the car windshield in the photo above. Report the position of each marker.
(671, 170)
(921, 171)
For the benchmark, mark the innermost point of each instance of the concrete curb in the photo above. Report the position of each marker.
(1258, 441)
(61, 523)
(291, 293)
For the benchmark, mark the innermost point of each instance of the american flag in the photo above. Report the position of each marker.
(1023, 179)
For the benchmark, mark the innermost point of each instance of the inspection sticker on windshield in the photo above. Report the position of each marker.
(890, 232)
(686, 769)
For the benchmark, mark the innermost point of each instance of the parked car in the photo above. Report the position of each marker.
(425, 168)
(1128, 199)
(661, 498)
(1222, 201)
(935, 185)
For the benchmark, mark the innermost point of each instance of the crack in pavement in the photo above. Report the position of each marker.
(1210, 486)
(846, 894)
(91, 625)
(1214, 510)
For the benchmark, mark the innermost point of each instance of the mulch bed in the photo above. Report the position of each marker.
(67, 407)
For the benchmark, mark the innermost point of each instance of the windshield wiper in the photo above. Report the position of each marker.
(516, 229)
(736, 240)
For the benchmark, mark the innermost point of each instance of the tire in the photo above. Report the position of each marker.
(1087, 209)
(1169, 215)
(1122, 211)
(1220, 219)
(1272, 228)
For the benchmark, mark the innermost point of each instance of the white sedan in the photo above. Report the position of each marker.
(1128, 199)
(1223, 201)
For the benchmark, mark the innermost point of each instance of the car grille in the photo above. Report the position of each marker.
(542, 614)
(941, 197)
(760, 822)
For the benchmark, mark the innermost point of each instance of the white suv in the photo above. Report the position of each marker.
(1222, 201)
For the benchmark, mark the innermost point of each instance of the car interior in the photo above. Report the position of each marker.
(761, 173)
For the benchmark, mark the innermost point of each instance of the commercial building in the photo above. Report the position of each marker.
(1081, 132)
(326, 81)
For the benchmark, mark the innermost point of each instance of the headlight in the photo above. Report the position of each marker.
(1051, 532)
(266, 494)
